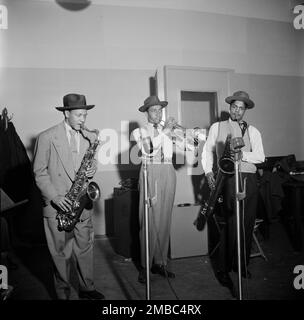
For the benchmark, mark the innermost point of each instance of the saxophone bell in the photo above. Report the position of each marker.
(226, 163)
(93, 191)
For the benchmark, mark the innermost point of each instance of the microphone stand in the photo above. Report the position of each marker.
(239, 196)
(146, 200)
(237, 208)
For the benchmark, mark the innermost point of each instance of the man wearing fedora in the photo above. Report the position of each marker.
(58, 154)
(250, 154)
(156, 144)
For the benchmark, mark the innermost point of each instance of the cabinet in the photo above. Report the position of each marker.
(185, 239)
(126, 225)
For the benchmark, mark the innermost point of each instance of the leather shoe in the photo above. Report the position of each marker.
(162, 270)
(142, 277)
(91, 295)
(224, 279)
(63, 293)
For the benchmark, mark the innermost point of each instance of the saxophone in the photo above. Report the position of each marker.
(226, 168)
(82, 191)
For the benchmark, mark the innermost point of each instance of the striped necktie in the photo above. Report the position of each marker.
(243, 126)
(156, 133)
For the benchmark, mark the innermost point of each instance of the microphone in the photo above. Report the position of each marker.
(147, 144)
(237, 144)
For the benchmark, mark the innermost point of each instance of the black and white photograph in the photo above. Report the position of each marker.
(151, 151)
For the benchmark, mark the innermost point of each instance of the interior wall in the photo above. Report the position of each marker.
(278, 111)
(109, 50)
(43, 34)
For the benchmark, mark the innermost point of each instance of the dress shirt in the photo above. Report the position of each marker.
(161, 140)
(256, 155)
(77, 135)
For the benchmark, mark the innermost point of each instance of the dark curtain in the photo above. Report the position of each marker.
(25, 223)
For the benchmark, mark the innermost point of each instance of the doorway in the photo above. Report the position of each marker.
(196, 98)
(198, 109)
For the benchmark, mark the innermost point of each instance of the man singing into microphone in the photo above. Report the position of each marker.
(250, 154)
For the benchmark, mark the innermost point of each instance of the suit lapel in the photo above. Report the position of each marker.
(61, 144)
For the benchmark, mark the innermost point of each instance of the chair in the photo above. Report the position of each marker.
(218, 228)
(259, 252)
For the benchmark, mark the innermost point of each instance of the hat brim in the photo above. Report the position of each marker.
(87, 107)
(249, 103)
(145, 107)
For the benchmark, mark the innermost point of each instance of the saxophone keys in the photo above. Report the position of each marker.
(76, 204)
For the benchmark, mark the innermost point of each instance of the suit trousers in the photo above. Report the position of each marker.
(62, 246)
(248, 207)
(161, 191)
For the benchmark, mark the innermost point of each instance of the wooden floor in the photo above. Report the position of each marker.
(116, 276)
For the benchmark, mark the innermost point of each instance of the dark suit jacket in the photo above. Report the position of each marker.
(53, 165)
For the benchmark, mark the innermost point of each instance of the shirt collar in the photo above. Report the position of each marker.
(242, 121)
(69, 128)
(151, 125)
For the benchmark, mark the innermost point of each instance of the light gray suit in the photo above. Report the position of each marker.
(54, 173)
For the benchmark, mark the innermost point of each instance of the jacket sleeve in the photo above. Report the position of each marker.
(40, 167)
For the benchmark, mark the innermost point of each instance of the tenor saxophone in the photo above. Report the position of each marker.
(82, 191)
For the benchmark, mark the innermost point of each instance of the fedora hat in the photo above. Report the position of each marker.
(241, 96)
(73, 101)
(152, 101)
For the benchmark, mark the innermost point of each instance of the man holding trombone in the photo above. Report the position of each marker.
(156, 140)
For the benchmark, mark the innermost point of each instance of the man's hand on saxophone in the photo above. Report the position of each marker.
(63, 203)
(92, 169)
(210, 180)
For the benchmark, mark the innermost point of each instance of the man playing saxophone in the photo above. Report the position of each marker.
(58, 155)
(249, 154)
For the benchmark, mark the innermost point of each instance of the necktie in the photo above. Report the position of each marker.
(243, 126)
(73, 146)
(156, 133)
